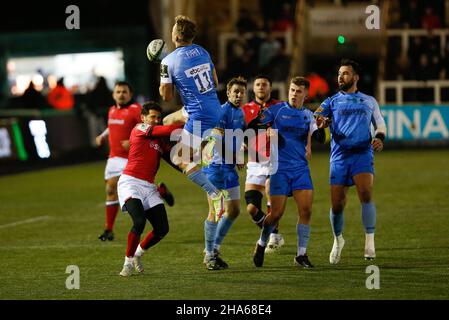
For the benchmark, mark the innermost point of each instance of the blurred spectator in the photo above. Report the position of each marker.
(268, 8)
(319, 88)
(60, 98)
(100, 99)
(32, 99)
(430, 20)
(423, 70)
(416, 49)
(411, 14)
(286, 21)
(401, 67)
(240, 60)
(435, 67)
(268, 49)
(245, 23)
(278, 67)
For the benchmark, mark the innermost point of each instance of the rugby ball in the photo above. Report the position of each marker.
(155, 50)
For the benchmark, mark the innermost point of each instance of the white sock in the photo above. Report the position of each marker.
(261, 243)
(302, 251)
(217, 247)
(139, 251)
(369, 240)
(129, 260)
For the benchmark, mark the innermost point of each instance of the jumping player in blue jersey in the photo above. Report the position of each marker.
(349, 115)
(189, 68)
(223, 174)
(293, 124)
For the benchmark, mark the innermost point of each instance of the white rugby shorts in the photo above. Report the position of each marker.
(129, 187)
(114, 167)
(257, 173)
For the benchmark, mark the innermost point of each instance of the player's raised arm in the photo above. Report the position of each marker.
(166, 91)
(166, 88)
(160, 131)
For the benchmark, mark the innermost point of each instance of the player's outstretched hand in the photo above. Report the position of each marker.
(99, 140)
(378, 145)
(322, 122)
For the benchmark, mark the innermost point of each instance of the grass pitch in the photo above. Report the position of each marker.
(51, 219)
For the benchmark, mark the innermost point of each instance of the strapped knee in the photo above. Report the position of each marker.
(254, 197)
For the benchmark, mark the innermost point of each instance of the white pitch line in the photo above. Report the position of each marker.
(24, 222)
(61, 246)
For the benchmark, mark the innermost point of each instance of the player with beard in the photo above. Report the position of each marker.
(349, 115)
(257, 176)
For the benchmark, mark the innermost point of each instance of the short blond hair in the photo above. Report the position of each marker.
(301, 81)
(185, 28)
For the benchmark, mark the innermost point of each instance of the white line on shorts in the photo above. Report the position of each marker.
(24, 222)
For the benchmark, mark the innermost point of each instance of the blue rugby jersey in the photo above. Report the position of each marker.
(351, 117)
(294, 126)
(190, 68)
(232, 119)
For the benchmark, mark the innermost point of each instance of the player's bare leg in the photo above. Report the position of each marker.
(338, 199)
(112, 206)
(253, 196)
(212, 260)
(232, 211)
(364, 185)
(278, 204)
(174, 118)
(183, 156)
(303, 199)
(276, 239)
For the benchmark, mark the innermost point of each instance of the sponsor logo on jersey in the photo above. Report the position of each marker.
(197, 69)
(349, 112)
(116, 121)
(164, 71)
(143, 127)
(193, 53)
(156, 146)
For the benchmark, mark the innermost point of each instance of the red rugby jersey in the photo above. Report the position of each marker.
(147, 144)
(120, 123)
(253, 110)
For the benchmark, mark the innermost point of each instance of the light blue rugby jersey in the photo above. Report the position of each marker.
(190, 68)
(294, 126)
(232, 119)
(351, 117)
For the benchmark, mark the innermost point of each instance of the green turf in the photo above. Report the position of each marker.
(412, 241)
